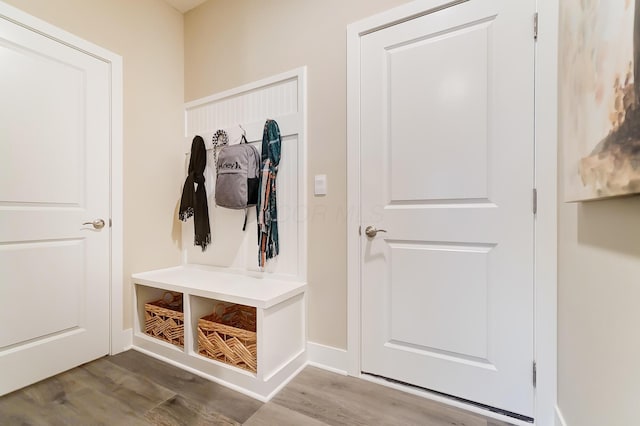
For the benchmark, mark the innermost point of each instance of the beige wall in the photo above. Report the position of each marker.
(598, 277)
(229, 43)
(599, 312)
(148, 34)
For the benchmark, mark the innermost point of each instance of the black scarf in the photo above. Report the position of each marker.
(194, 202)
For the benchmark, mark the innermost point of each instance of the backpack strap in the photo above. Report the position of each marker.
(246, 210)
(258, 161)
(246, 214)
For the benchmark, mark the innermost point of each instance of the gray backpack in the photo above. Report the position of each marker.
(237, 169)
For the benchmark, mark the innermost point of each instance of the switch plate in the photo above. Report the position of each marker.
(320, 187)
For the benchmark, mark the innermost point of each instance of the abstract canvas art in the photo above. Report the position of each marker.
(599, 100)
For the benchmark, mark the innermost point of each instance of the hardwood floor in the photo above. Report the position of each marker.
(134, 389)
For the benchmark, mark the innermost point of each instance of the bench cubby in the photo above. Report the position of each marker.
(280, 324)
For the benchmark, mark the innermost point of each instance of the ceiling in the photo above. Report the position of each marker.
(185, 5)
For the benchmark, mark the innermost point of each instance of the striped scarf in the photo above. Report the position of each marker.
(266, 208)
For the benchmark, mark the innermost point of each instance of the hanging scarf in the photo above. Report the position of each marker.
(267, 212)
(220, 139)
(194, 201)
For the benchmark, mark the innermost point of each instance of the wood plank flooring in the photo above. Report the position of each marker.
(134, 389)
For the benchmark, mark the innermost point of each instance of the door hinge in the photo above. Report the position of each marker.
(535, 26)
(535, 374)
(535, 201)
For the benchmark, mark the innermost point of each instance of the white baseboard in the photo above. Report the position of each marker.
(327, 357)
(124, 342)
(559, 418)
(127, 339)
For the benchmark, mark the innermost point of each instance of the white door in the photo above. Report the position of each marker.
(447, 120)
(54, 176)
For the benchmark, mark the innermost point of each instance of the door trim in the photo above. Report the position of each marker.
(117, 337)
(545, 257)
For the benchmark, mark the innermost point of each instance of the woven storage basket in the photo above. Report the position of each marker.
(164, 319)
(229, 335)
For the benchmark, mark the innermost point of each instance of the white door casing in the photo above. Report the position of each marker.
(60, 142)
(447, 168)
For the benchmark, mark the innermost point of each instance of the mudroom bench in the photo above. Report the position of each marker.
(242, 330)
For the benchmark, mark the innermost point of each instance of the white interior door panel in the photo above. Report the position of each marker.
(447, 140)
(54, 176)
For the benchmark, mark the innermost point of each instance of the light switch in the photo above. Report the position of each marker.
(320, 187)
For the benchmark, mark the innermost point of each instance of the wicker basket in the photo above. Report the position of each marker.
(229, 335)
(164, 319)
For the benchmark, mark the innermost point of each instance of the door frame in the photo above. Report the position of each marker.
(545, 169)
(118, 339)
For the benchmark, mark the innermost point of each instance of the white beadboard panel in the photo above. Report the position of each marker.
(253, 105)
(280, 98)
(231, 247)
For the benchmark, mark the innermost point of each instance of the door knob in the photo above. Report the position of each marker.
(97, 224)
(371, 231)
